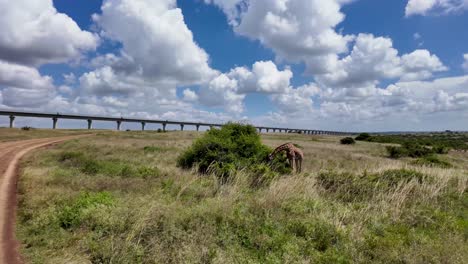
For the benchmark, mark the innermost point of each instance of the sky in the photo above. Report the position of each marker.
(343, 65)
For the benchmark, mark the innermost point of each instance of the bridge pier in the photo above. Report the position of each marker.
(164, 126)
(54, 122)
(268, 130)
(181, 127)
(12, 121)
(90, 124)
(260, 129)
(143, 124)
(119, 124)
(198, 127)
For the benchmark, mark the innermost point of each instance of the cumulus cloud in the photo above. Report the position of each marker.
(296, 30)
(424, 7)
(34, 33)
(373, 59)
(229, 89)
(24, 86)
(296, 100)
(157, 44)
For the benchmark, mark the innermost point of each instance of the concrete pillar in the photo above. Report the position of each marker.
(274, 130)
(119, 124)
(181, 127)
(164, 126)
(12, 121)
(54, 122)
(268, 130)
(260, 129)
(143, 124)
(198, 127)
(90, 124)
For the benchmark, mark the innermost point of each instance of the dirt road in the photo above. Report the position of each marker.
(10, 154)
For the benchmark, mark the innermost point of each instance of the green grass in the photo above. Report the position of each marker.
(120, 198)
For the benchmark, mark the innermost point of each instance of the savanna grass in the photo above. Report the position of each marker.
(351, 204)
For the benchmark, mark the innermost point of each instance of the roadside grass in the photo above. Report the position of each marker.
(12, 134)
(120, 198)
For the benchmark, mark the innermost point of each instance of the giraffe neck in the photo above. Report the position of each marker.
(281, 148)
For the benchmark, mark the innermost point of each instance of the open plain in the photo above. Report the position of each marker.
(118, 197)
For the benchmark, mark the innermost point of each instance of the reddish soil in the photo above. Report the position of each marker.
(10, 154)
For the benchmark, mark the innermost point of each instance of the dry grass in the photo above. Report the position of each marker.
(12, 134)
(175, 216)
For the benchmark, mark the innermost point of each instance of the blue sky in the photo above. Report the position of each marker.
(338, 65)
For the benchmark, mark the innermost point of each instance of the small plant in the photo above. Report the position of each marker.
(26, 128)
(347, 141)
(159, 130)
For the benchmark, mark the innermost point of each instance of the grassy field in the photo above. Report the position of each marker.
(118, 197)
(7, 134)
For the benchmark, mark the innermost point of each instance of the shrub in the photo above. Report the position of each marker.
(222, 151)
(160, 130)
(26, 128)
(71, 214)
(363, 137)
(412, 150)
(347, 141)
(396, 152)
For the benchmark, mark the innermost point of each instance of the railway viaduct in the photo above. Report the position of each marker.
(118, 121)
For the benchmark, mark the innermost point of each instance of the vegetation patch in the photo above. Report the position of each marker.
(432, 161)
(114, 168)
(347, 141)
(348, 187)
(229, 149)
(440, 142)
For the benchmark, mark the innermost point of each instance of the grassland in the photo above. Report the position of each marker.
(7, 134)
(119, 198)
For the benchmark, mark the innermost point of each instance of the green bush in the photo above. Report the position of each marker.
(223, 151)
(396, 152)
(347, 141)
(413, 150)
(363, 137)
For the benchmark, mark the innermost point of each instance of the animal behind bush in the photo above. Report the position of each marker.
(233, 147)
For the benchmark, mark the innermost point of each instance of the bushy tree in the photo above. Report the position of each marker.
(233, 147)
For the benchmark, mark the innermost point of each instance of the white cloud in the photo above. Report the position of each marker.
(190, 96)
(465, 63)
(24, 86)
(34, 33)
(424, 7)
(296, 30)
(157, 44)
(223, 91)
(373, 59)
(229, 89)
(298, 100)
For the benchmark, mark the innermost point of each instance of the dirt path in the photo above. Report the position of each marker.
(10, 154)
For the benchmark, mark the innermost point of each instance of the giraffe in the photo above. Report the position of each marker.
(293, 153)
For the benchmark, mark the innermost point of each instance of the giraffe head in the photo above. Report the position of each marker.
(271, 156)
